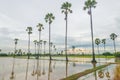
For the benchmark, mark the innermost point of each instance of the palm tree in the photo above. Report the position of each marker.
(29, 30)
(97, 42)
(113, 36)
(89, 4)
(66, 9)
(40, 28)
(104, 42)
(49, 18)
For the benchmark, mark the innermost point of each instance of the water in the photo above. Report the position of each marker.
(48, 70)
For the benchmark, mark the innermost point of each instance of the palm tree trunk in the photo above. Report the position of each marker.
(39, 45)
(28, 46)
(66, 38)
(35, 50)
(50, 41)
(93, 53)
(104, 47)
(114, 46)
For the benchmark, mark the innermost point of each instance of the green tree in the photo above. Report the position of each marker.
(29, 30)
(97, 42)
(104, 42)
(113, 36)
(49, 18)
(40, 28)
(89, 4)
(66, 9)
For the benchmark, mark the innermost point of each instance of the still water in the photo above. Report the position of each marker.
(23, 69)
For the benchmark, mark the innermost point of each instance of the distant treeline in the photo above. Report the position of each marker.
(117, 54)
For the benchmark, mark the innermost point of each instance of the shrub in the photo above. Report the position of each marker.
(107, 54)
(117, 54)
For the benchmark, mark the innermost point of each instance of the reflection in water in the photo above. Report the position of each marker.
(33, 72)
(54, 64)
(49, 69)
(26, 76)
(66, 68)
(38, 71)
(12, 77)
(94, 66)
(117, 72)
(43, 73)
(107, 74)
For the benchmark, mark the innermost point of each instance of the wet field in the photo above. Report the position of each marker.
(32, 69)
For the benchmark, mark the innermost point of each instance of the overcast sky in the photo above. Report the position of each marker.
(17, 15)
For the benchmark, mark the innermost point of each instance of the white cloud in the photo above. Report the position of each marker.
(15, 16)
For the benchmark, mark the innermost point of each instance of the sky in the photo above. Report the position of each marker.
(17, 15)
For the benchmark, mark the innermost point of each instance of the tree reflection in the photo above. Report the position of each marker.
(66, 68)
(94, 66)
(43, 73)
(49, 69)
(27, 69)
(33, 72)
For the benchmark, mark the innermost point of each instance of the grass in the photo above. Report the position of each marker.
(78, 75)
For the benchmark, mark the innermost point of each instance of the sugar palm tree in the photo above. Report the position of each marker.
(104, 42)
(66, 9)
(29, 30)
(89, 4)
(97, 42)
(49, 18)
(40, 28)
(12, 73)
(113, 36)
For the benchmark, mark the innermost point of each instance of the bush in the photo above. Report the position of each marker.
(3, 54)
(117, 54)
(107, 54)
